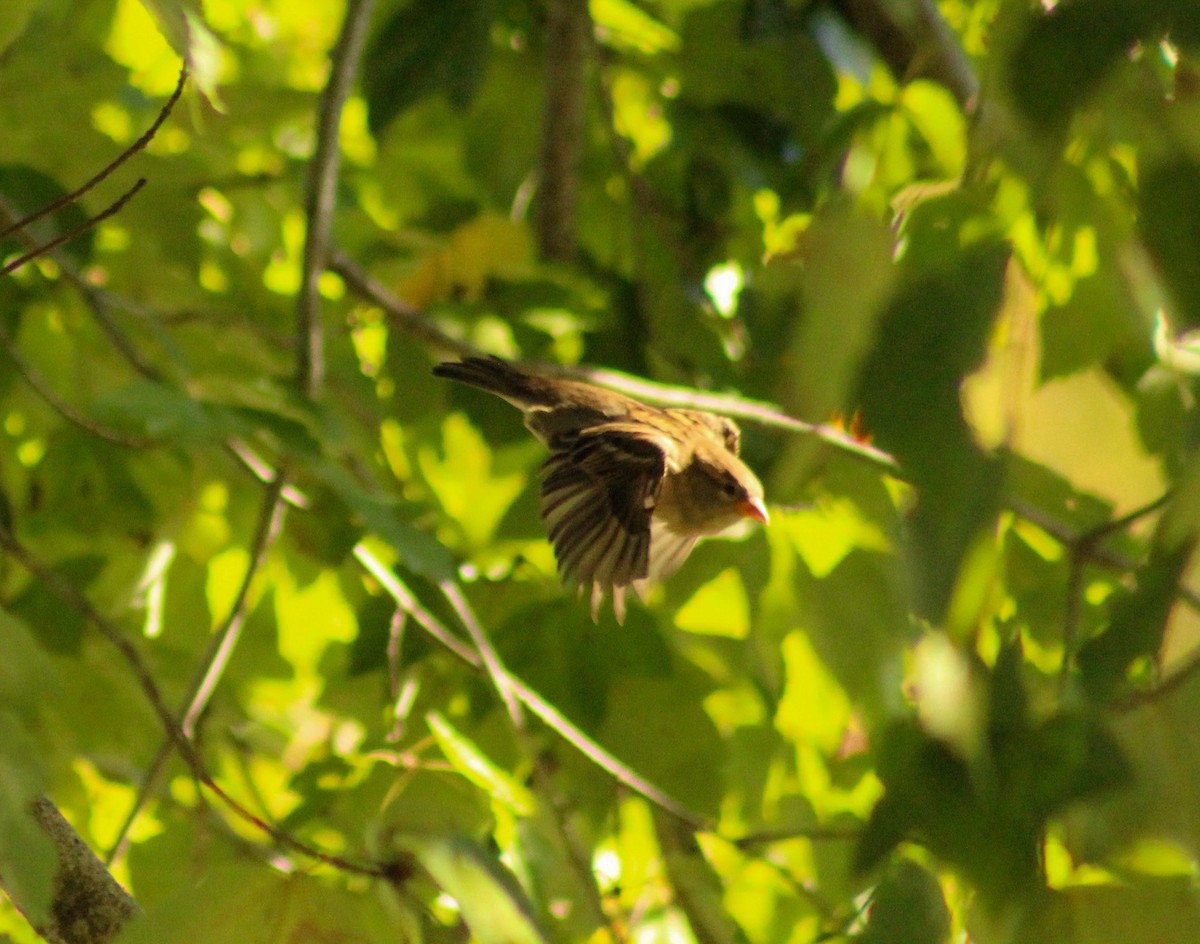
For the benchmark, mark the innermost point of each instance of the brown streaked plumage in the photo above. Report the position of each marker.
(629, 488)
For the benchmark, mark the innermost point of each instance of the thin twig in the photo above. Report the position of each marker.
(555, 804)
(415, 323)
(1097, 554)
(528, 697)
(111, 210)
(408, 318)
(72, 597)
(1171, 683)
(1084, 547)
(120, 159)
(322, 196)
(41, 386)
(496, 669)
(214, 663)
(404, 598)
(97, 301)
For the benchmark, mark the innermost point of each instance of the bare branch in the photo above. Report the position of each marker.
(88, 906)
(412, 321)
(41, 386)
(550, 715)
(43, 248)
(121, 158)
(415, 323)
(322, 195)
(72, 597)
(215, 661)
(568, 35)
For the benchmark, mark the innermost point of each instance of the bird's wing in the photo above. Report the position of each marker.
(598, 498)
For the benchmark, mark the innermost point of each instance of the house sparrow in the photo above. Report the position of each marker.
(629, 488)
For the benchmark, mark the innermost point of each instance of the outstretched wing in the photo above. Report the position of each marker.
(598, 498)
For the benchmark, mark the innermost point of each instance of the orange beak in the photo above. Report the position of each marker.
(754, 508)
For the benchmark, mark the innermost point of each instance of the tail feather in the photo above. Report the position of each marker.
(498, 377)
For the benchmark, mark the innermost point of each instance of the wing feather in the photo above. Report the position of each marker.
(598, 499)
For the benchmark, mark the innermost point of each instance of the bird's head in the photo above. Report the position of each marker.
(719, 491)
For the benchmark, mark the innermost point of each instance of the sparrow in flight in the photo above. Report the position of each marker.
(629, 488)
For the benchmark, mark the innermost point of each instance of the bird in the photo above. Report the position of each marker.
(628, 488)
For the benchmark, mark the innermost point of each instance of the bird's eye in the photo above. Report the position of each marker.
(729, 488)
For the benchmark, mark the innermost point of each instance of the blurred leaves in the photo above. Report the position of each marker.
(426, 47)
(933, 335)
(936, 697)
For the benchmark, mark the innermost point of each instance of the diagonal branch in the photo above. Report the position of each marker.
(40, 385)
(550, 715)
(72, 597)
(213, 665)
(40, 250)
(415, 323)
(120, 159)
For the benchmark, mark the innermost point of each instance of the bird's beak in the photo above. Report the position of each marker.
(754, 508)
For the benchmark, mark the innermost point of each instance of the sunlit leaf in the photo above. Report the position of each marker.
(493, 904)
(260, 906)
(473, 764)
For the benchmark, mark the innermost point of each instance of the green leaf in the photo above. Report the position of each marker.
(57, 627)
(492, 902)
(28, 860)
(383, 515)
(908, 907)
(659, 728)
(256, 905)
(476, 766)
(934, 334)
(857, 622)
(1161, 742)
(31, 190)
(16, 17)
(182, 25)
(848, 279)
(1162, 911)
(1139, 616)
(161, 411)
(625, 24)
(27, 675)
(697, 886)
(1066, 52)
(426, 47)
(1169, 217)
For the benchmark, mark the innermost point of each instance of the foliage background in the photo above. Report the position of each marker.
(947, 694)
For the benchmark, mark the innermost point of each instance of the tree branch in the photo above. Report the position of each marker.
(88, 906)
(40, 385)
(120, 159)
(71, 596)
(322, 196)
(43, 248)
(568, 39)
(914, 40)
(414, 322)
(550, 715)
(216, 659)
